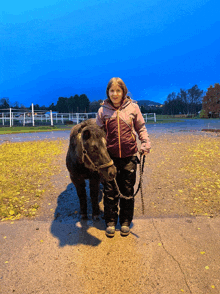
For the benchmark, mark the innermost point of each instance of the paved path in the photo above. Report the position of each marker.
(169, 255)
(189, 125)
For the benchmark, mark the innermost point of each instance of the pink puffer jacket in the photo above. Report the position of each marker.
(121, 126)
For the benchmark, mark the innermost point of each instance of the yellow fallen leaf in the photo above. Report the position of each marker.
(5, 237)
(49, 203)
(213, 287)
(6, 262)
(159, 244)
(182, 290)
(12, 223)
(207, 267)
(202, 252)
(41, 241)
(11, 212)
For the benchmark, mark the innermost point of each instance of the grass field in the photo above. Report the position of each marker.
(28, 129)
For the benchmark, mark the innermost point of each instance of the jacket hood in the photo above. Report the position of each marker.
(107, 103)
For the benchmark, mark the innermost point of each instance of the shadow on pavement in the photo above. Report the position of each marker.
(67, 225)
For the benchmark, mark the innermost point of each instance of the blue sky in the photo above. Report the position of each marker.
(57, 48)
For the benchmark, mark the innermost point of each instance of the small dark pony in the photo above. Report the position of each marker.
(88, 158)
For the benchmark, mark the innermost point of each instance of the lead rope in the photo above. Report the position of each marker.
(140, 185)
(141, 182)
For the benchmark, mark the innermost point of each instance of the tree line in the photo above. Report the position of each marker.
(194, 100)
(76, 103)
(185, 102)
(189, 101)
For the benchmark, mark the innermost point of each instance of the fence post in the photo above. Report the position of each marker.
(3, 120)
(51, 118)
(77, 118)
(155, 117)
(24, 120)
(62, 118)
(56, 118)
(33, 114)
(10, 117)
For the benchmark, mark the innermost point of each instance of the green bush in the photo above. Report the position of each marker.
(203, 114)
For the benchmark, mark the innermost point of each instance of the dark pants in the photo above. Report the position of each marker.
(126, 178)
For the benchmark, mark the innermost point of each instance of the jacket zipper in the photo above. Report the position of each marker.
(119, 135)
(132, 135)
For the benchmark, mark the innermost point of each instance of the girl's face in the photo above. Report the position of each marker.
(116, 95)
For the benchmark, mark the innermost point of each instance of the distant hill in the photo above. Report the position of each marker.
(147, 103)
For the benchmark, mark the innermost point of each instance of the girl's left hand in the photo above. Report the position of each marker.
(145, 148)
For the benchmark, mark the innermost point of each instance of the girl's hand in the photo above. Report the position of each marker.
(145, 148)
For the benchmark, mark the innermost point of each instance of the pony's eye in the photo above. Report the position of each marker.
(95, 148)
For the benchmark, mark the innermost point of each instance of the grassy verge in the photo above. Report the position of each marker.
(25, 170)
(28, 129)
(164, 121)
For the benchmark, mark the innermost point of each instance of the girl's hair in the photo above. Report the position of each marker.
(120, 83)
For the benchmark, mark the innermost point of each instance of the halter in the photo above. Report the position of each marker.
(85, 154)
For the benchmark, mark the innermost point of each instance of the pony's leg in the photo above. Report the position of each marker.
(80, 185)
(94, 195)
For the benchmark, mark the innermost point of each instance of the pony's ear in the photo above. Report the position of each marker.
(86, 135)
(82, 125)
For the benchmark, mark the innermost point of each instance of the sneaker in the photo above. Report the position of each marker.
(110, 231)
(125, 230)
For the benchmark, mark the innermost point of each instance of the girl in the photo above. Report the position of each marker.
(121, 118)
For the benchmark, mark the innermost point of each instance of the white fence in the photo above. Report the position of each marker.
(150, 116)
(16, 117)
(12, 118)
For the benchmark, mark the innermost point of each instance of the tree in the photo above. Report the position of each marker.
(36, 107)
(211, 101)
(195, 98)
(52, 107)
(184, 98)
(62, 105)
(73, 102)
(169, 105)
(16, 105)
(83, 103)
(4, 103)
(95, 105)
